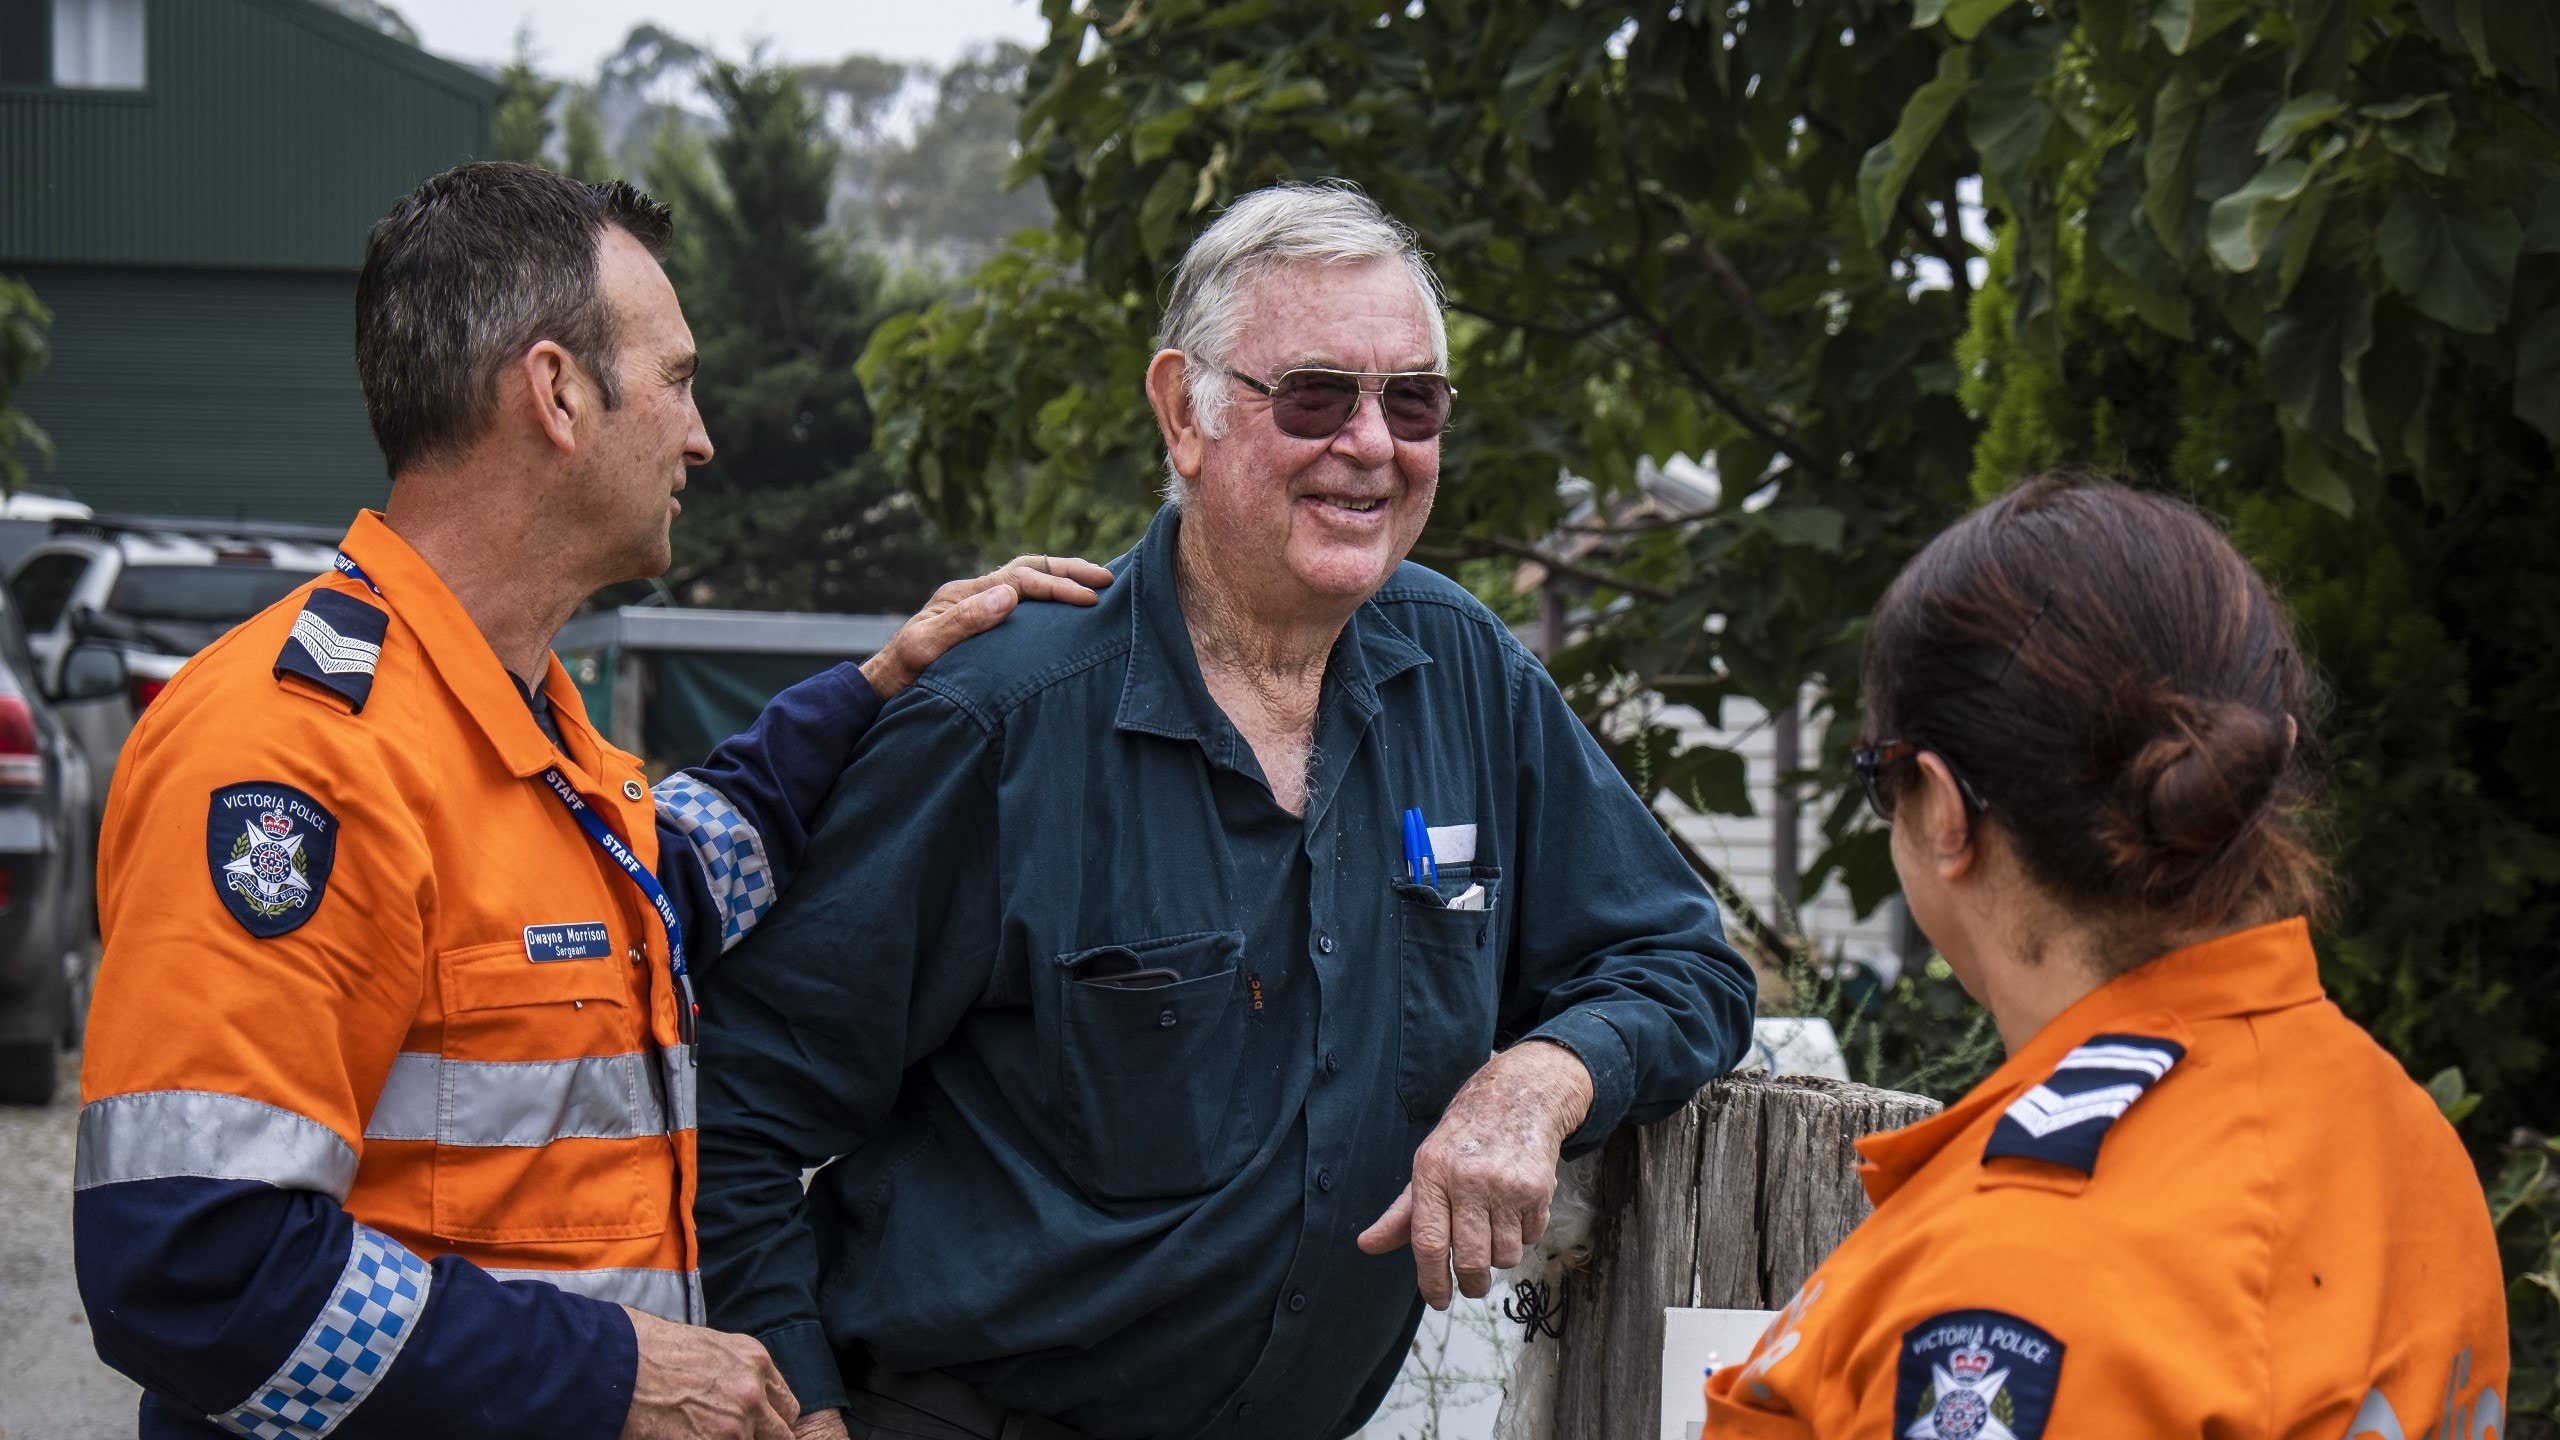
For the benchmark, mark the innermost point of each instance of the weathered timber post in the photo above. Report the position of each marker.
(1730, 1204)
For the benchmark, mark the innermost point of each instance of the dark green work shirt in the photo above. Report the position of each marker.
(1120, 1056)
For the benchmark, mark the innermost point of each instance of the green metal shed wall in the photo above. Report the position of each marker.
(229, 394)
(270, 135)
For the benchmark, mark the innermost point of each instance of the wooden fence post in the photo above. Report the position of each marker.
(1729, 1203)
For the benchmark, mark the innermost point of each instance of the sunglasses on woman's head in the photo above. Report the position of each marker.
(1314, 404)
(1874, 762)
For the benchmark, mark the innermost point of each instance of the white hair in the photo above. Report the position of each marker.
(1272, 228)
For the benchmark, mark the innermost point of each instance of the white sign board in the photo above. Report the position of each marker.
(1693, 1343)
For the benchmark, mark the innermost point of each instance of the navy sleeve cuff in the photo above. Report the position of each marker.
(1603, 1052)
(808, 1364)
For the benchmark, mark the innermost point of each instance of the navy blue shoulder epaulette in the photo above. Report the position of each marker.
(2062, 1120)
(336, 641)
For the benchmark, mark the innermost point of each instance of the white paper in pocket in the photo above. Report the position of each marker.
(1471, 898)
(1453, 845)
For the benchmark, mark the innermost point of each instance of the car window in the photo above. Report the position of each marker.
(221, 594)
(13, 646)
(44, 584)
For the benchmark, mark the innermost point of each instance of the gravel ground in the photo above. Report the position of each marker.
(51, 1384)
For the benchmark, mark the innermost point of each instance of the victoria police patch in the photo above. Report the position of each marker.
(1975, 1375)
(270, 848)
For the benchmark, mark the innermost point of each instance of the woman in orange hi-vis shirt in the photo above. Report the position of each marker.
(2197, 1200)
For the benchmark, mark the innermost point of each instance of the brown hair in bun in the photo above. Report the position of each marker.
(2124, 693)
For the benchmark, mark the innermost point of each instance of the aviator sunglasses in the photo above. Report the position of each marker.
(1314, 404)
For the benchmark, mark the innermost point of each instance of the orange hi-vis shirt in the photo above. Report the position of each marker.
(2200, 1202)
(357, 946)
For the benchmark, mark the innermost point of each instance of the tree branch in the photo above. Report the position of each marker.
(1767, 431)
(1538, 327)
(1490, 545)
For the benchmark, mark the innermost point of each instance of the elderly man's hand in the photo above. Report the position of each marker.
(1482, 1181)
(697, 1384)
(821, 1425)
(966, 607)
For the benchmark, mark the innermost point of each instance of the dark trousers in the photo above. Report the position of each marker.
(933, 1406)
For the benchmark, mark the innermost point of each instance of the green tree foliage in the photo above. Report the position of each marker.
(23, 322)
(793, 512)
(521, 129)
(583, 152)
(1649, 221)
(2301, 268)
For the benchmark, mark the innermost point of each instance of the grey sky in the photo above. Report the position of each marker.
(570, 36)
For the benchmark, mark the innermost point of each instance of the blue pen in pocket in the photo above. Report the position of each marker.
(1420, 865)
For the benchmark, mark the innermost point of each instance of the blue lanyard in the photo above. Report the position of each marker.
(611, 844)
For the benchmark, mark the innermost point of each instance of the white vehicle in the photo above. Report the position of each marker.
(156, 591)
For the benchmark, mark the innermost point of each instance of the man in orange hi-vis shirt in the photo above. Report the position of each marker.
(2197, 1200)
(388, 1102)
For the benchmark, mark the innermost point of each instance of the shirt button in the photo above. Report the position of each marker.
(1331, 1065)
(1297, 1302)
(631, 790)
(1244, 1409)
(1165, 1020)
(637, 958)
(1324, 944)
(1324, 1179)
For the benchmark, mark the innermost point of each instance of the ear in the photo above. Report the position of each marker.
(557, 391)
(1935, 809)
(1185, 443)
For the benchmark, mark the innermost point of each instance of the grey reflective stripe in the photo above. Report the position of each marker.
(351, 1345)
(727, 847)
(676, 1063)
(668, 1294)
(406, 1109)
(519, 1102)
(165, 1134)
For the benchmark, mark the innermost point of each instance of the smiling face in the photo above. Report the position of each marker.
(1304, 530)
(633, 461)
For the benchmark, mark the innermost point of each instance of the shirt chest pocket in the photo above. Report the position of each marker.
(550, 1114)
(1452, 983)
(1142, 1048)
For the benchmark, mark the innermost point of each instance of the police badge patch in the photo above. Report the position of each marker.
(1975, 1375)
(270, 848)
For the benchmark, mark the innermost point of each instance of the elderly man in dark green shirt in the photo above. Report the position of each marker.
(1133, 1043)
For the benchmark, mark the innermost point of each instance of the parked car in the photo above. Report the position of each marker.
(48, 859)
(155, 591)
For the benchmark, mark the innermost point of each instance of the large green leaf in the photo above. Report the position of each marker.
(1965, 18)
(1887, 168)
(2169, 159)
(2538, 373)
(2314, 353)
(2185, 24)
(2007, 118)
(2526, 35)
(2148, 276)
(2457, 267)
(2313, 474)
(2419, 130)
(2301, 114)
(2302, 234)
(2240, 224)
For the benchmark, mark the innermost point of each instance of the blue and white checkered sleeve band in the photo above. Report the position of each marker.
(730, 851)
(347, 1350)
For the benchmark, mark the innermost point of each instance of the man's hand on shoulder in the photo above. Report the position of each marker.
(1482, 1181)
(697, 1384)
(968, 607)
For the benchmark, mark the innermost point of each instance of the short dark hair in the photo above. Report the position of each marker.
(2114, 681)
(467, 272)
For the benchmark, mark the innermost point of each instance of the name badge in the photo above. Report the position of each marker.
(583, 940)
